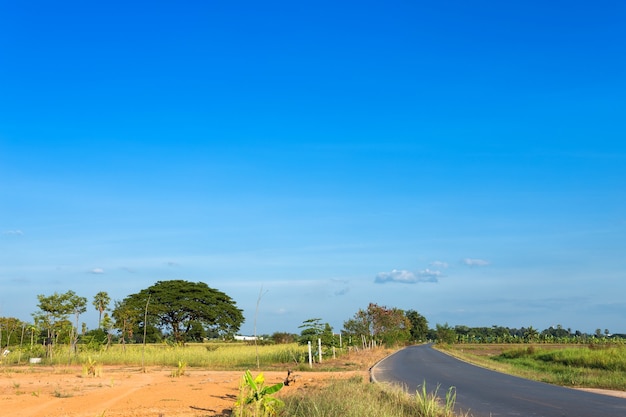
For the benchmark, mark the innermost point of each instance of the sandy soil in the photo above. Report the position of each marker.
(39, 390)
(131, 392)
(621, 394)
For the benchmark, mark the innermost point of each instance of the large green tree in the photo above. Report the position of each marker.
(178, 306)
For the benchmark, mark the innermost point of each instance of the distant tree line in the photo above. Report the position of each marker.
(179, 311)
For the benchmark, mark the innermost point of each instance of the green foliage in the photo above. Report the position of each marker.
(179, 307)
(445, 334)
(419, 325)
(101, 302)
(312, 329)
(388, 326)
(283, 337)
(53, 314)
(255, 398)
(11, 331)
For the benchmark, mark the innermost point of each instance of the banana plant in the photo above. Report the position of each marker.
(254, 393)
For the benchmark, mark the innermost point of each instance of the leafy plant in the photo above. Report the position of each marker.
(255, 398)
(180, 371)
(428, 403)
(91, 368)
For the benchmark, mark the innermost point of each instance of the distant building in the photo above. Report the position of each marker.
(247, 338)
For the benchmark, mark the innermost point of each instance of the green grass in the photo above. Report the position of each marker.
(353, 398)
(574, 366)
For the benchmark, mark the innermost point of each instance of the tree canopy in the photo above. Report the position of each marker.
(385, 325)
(178, 306)
(54, 310)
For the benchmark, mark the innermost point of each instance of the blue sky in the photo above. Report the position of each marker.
(463, 159)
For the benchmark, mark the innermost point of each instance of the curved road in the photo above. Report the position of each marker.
(487, 393)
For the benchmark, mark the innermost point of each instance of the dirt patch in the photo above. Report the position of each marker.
(613, 393)
(130, 392)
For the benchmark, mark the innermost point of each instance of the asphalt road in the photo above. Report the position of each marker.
(487, 393)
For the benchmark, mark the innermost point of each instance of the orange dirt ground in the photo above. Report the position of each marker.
(63, 391)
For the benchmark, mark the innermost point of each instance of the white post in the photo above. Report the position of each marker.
(310, 356)
(319, 348)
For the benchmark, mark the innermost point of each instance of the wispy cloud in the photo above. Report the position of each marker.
(342, 291)
(97, 271)
(15, 232)
(439, 264)
(475, 262)
(408, 277)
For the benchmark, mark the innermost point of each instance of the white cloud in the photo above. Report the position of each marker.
(97, 271)
(15, 232)
(475, 262)
(439, 264)
(407, 277)
(428, 275)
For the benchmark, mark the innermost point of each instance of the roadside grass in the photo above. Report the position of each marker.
(578, 366)
(352, 398)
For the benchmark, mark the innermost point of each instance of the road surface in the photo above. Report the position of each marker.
(487, 393)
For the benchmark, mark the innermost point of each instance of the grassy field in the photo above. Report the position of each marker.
(215, 356)
(581, 366)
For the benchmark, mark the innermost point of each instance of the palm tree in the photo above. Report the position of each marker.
(101, 303)
(531, 334)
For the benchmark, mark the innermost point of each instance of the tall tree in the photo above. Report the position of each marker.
(125, 318)
(177, 305)
(77, 305)
(311, 330)
(445, 333)
(10, 329)
(101, 303)
(419, 325)
(54, 311)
